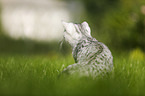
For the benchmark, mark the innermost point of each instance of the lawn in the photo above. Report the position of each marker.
(37, 75)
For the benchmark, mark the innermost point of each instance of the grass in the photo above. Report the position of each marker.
(38, 75)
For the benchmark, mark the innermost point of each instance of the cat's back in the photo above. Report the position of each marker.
(90, 51)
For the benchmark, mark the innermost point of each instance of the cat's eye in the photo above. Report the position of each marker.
(65, 30)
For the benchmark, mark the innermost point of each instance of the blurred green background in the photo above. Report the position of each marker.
(120, 24)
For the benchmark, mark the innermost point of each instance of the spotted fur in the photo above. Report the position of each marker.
(92, 58)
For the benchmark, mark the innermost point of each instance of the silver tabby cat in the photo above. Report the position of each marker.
(92, 58)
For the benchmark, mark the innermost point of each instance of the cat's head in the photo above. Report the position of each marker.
(75, 32)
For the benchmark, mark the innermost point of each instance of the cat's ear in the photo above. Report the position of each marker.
(86, 27)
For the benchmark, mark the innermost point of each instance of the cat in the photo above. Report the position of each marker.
(92, 58)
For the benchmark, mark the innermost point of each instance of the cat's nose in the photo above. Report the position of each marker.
(64, 23)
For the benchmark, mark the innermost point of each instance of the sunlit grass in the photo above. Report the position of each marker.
(38, 75)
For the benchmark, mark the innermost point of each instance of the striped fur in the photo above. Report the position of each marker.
(92, 58)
